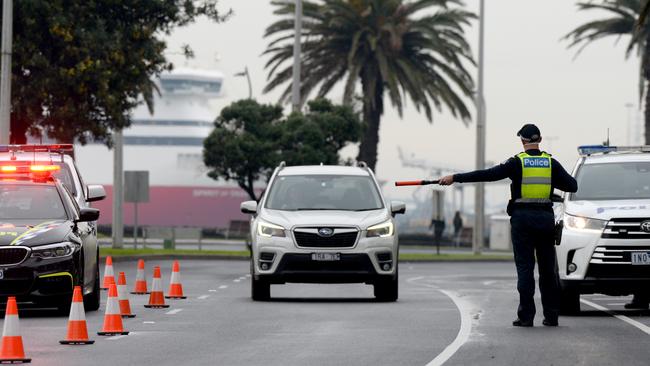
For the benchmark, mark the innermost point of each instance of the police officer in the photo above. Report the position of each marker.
(534, 175)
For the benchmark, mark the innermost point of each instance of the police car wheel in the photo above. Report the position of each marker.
(569, 302)
(92, 301)
(260, 290)
(386, 290)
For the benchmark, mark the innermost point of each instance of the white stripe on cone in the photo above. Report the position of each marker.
(11, 326)
(176, 278)
(112, 306)
(77, 311)
(155, 285)
(108, 270)
(122, 292)
(139, 275)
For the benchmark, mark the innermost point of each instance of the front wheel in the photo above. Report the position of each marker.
(260, 290)
(387, 290)
(569, 302)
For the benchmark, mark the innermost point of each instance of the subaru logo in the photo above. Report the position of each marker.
(645, 226)
(325, 232)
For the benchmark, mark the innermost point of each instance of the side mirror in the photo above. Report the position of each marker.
(249, 207)
(95, 193)
(397, 207)
(557, 198)
(88, 214)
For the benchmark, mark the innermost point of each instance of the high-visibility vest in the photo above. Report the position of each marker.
(535, 177)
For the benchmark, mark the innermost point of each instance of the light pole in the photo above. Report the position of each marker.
(248, 78)
(295, 87)
(5, 78)
(118, 189)
(479, 201)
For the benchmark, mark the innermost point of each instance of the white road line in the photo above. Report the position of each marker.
(465, 324)
(236, 280)
(175, 311)
(212, 290)
(203, 297)
(463, 332)
(644, 328)
(148, 322)
(248, 275)
(114, 338)
(223, 286)
(489, 283)
(616, 304)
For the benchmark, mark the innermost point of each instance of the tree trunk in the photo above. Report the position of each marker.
(373, 107)
(18, 128)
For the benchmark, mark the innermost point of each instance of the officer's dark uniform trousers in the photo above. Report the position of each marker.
(532, 236)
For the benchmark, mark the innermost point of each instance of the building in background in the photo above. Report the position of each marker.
(169, 145)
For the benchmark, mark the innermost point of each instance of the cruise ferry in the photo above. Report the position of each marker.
(169, 144)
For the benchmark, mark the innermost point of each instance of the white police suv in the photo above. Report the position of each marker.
(605, 245)
(324, 224)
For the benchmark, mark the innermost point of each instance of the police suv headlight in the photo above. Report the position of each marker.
(268, 230)
(382, 230)
(53, 250)
(583, 223)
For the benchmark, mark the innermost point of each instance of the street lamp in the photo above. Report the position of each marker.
(5, 82)
(248, 77)
(295, 87)
(479, 201)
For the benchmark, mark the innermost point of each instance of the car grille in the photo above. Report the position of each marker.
(9, 256)
(625, 228)
(616, 254)
(309, 238)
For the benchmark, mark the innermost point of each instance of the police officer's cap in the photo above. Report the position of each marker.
(530, 133)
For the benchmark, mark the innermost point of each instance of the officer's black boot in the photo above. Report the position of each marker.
(522, 323)
(639, 302)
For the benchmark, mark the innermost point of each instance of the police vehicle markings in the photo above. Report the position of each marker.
(642, 327)
(464, 308)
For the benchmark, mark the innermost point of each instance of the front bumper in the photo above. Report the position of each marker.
(369, 260)
(40, 281)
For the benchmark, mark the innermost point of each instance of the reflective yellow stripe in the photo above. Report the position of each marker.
(17, 240)
(57, 274)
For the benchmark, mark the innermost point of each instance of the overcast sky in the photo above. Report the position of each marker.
(530, 76)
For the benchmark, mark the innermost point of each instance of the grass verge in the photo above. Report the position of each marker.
(412, 257)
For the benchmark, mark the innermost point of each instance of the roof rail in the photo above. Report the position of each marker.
(362, 164)
(587, 150)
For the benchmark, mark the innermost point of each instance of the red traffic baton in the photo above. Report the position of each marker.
(415, 183)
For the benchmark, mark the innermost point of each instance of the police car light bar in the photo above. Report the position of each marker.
(59, 148)
(602, 149)
(13, 169)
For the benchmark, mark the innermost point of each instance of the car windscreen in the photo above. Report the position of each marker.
(38, 202)
(65, 176)
(613, 181)
(324, 192)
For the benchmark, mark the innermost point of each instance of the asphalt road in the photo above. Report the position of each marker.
(451, 313)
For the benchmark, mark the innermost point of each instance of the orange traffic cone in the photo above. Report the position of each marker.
(109, 275)
(112, 318)
(12, 343)
(156, 298)
(123, 297)
(77, 330)
(175, 287)
(140, 287)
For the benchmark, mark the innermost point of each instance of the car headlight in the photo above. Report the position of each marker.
(53, 250)
(583, 223)
(268, 230)
(380, 230)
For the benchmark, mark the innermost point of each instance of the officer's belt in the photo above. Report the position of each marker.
(533, 200)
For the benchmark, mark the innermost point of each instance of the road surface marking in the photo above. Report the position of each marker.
(489, 283)
(248, 275)
(644, 328)
(223, 286)
(175, 311)
(236, 280)
(465, 324)
(114, 338)
(148, 322)
(203, 297)
(616, 304)
(212, 290)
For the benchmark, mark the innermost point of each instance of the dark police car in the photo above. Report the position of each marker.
(42, 235)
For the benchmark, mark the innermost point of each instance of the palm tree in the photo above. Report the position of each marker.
(626, 19)
(399, 47)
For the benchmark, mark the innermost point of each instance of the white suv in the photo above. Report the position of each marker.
(323, 224)
(605, 245)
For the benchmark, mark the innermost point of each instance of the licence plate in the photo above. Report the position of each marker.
(326, 257)
(641, 258)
